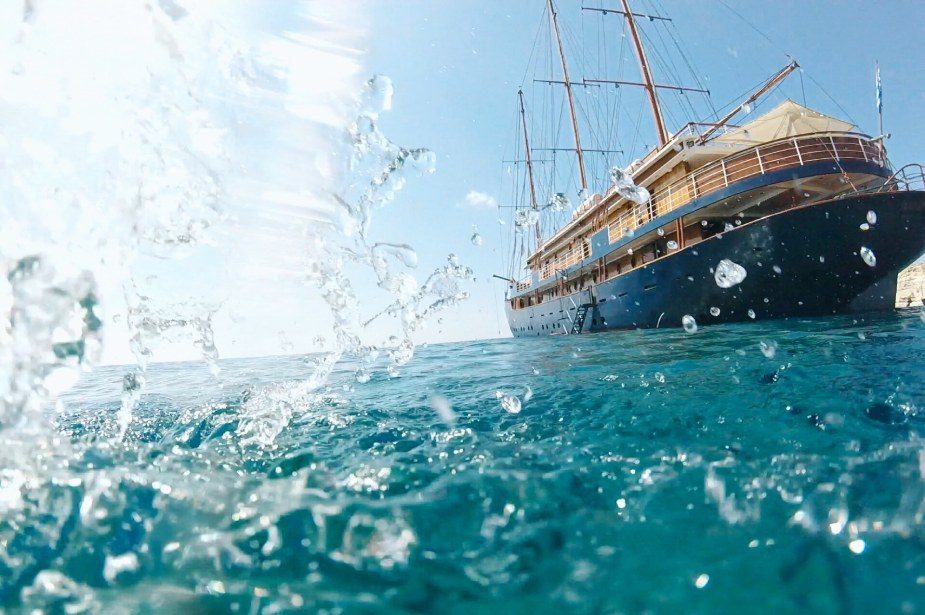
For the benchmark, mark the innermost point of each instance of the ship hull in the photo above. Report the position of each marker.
(803, 262)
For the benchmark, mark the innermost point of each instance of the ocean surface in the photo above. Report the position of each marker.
(765, 467)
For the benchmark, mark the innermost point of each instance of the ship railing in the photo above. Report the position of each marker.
(572, 257)
(774, 156)
(767, 157)
(909, 177)
(524, 284)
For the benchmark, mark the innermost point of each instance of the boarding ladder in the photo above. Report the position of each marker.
(581, 312)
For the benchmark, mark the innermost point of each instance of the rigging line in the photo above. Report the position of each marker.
(536, 39)
(747, 91)
(668, 67)
(779, 48)
(638, 125)
(656, 53)
(802, 89)
(753, 27)
(830, 97)
(675, 33)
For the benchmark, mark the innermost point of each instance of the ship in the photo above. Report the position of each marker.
(791, 213)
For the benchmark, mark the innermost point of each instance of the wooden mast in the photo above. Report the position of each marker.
(646, 75)
(529, 159)
(770, 83)
(568, 93)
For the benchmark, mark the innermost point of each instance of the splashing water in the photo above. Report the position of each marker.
(111, 177)
(729, 274)
(867, 255)
(510, 403)
(526, 218)
(768, 348)
(689, 324)
(624, 185)
(559, 202)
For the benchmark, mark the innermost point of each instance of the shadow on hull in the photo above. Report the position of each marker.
(802, 262)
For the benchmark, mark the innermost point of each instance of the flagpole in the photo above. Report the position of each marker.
(879, 104)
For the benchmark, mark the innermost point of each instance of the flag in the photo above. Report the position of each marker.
(879, 92)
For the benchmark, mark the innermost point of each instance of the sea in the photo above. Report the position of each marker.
(761, 467)
(188, 173)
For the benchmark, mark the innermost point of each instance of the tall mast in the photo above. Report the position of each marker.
(568, 93)
(646, 75)
(529, 159)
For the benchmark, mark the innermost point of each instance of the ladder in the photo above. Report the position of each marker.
(580, 314)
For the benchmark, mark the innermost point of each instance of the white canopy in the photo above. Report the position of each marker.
(788, 119)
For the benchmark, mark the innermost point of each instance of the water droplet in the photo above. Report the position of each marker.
(871, 217)
(689, 324)
(510, 403)
(441, 406)
(868, 256)
(659, 377)
(714, 311)
(776, 269)
(821, 259)
(362, 375)
(857, 546)
(526, 217)
(117, 565)
(672, 244)
(702, 581)
(865, 227)
(768, 349)
(528, 394)
(476, 239)
(751, 314)
(728, 273)
(661, 232)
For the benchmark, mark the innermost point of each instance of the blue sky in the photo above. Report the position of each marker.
(456, 67)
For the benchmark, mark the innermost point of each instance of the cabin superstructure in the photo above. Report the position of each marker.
(784, 158)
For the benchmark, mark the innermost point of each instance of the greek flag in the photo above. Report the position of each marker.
(879, 92)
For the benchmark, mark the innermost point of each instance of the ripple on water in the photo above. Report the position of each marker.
(670, 459)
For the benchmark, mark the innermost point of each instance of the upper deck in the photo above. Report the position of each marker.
(795, 156)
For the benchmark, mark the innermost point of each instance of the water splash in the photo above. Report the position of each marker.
(867, 255)
(624, 185)
(729, 274)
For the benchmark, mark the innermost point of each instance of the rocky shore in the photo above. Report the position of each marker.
(910, 287)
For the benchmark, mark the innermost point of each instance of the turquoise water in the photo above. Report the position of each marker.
(648, 471)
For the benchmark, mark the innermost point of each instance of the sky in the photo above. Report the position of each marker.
(456, 68)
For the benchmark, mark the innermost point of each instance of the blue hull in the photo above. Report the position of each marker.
(816, 250)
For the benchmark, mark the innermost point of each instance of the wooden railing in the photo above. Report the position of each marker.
(774, 156)
(572, 257)
(786, 153)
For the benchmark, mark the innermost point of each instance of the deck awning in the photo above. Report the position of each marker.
(788, 119)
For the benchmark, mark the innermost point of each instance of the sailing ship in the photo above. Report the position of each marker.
(792, 213)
